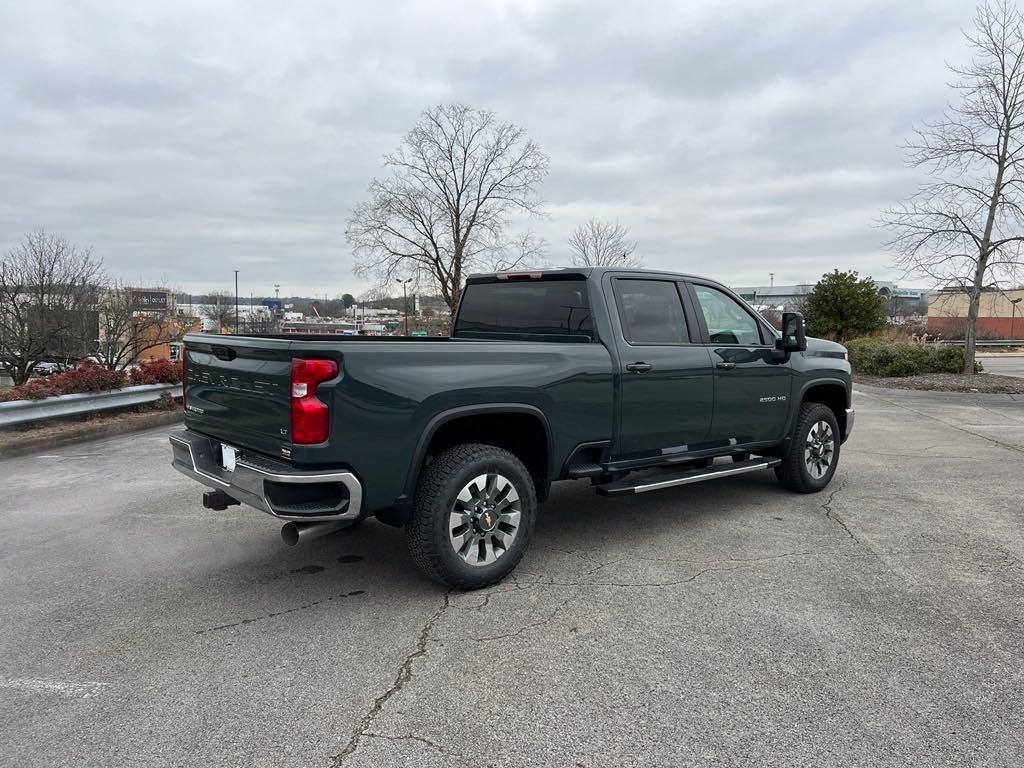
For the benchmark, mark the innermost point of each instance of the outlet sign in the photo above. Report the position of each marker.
(150, 300)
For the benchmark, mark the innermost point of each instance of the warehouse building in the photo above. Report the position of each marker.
(1000, 313)
(900, 302)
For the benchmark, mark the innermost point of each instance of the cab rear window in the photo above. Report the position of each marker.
(534, 307)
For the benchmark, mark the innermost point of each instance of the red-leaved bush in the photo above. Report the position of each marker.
(88, 377)
(156, 372)
(34, 389)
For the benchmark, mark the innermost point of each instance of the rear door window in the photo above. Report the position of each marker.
(651, 312)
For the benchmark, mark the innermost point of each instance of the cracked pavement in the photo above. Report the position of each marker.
(728, 623)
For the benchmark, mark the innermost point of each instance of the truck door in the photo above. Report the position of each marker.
(667, 384)
(752, 385)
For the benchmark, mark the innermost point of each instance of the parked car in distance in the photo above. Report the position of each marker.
(47, 368)
(548, 375)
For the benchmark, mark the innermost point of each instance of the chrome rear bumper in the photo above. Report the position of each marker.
(268, 485)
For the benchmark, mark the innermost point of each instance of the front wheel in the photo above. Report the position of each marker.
(813, 454)
(474, 513)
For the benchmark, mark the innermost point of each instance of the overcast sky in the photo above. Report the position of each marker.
(184, 140)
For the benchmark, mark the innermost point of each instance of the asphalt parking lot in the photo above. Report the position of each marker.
(729, 623)
(1005, 364)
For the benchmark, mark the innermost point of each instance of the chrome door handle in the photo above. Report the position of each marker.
(725, 366)
(639, 367)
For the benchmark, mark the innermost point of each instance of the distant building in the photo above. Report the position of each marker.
(775, 296)
(1000, 313)
(144, 323)
(899, 301)
(311, 326)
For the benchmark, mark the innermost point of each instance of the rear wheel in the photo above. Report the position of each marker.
(474, 513)
(813, 454)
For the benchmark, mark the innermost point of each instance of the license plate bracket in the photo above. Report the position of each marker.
(228, 456)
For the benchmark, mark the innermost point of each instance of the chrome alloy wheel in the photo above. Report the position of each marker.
(484, 521)
(819, 449)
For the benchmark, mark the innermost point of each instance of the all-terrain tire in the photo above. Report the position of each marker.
(428, 534)
(793, 473)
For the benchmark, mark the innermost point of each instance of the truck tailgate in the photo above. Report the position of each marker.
(238, 388)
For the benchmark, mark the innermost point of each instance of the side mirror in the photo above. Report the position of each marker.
(794, 338)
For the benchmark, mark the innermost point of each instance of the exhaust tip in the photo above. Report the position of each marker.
(294, 532)
(290, 534)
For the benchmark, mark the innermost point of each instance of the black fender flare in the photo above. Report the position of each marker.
(442, 418)
(794, 412)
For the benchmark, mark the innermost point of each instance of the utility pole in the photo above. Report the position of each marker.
(236, 301)
(405, 302)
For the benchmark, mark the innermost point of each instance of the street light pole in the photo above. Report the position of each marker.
(236, 301)
(405, 302)
(1013, 313)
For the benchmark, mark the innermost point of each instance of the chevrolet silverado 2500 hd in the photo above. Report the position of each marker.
(548, 375)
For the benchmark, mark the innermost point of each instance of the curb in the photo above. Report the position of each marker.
(992, 397)
(94, 432)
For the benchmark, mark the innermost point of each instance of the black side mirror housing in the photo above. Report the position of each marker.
(794, 337)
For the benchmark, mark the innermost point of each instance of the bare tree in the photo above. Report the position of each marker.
(526, 251)
(966, 228)
(259, 320)
(603, 244)
(455, 181)
(377, 294)
(48, 293)
(219, 309)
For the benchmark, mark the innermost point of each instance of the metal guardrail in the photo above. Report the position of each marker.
(24, 411)
(987, 342)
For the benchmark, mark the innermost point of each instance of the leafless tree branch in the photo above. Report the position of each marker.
(603, 244)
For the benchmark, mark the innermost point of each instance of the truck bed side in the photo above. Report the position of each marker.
(387, 394)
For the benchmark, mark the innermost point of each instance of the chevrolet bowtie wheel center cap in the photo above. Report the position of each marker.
(486, 520)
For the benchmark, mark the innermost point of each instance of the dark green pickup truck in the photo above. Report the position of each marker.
(549, 375)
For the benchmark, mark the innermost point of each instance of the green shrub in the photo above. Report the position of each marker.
(878, 357)
(843, 306)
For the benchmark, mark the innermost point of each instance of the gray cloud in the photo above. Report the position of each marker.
(182, 142)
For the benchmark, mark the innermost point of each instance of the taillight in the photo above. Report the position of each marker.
(184, 376)
(309, 414)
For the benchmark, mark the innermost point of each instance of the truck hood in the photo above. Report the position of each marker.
(824, 348)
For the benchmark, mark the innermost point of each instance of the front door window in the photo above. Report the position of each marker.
(727, 321)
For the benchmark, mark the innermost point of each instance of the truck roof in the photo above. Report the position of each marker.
(589, 272)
